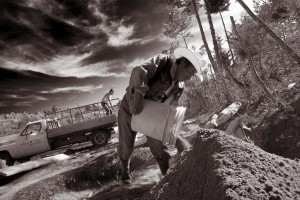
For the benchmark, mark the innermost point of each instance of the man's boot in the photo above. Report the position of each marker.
(125, 171)
(163, 166)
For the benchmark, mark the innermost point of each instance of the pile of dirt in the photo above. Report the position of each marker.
(219, 166)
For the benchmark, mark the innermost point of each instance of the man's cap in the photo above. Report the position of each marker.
(193, 57)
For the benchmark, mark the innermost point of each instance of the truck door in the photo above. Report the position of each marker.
(33, 140)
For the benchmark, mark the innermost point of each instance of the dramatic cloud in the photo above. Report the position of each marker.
(64, 49)
(25, 90)
(88, 88)
(30, 35)
(33, 31)
(65, 52)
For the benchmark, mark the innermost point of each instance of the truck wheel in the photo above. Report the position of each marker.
(100, 138)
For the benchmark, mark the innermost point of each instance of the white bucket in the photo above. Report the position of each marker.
(160, 121)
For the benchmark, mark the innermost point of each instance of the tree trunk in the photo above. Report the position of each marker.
(213, 80)
(210, 57)
(232, 57)
(213, 64)
(283, 45)
(255, 74)
(185, 42)
(260, 56)
(219, 62)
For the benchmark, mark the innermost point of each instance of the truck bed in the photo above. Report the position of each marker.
(84, 126)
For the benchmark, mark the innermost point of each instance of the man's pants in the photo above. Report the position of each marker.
(127, 137)
(106, 108)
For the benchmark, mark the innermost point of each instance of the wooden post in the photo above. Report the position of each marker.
(71, 116)
(80, 112)
(99, 109)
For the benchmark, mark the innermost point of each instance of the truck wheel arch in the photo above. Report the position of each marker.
(5, 155)
(100, 138)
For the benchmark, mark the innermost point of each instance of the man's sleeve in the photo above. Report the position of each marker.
(141, 74)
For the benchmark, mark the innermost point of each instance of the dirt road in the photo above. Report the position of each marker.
(80, 154)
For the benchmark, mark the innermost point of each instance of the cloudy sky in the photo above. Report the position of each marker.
(69, 52)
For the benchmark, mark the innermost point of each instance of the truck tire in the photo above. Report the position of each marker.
(100, 138)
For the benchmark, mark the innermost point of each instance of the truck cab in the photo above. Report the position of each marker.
(33, 139)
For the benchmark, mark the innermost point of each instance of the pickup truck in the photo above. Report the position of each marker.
(57, 129)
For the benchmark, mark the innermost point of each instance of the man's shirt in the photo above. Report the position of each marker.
(106, 98)
(153, 78)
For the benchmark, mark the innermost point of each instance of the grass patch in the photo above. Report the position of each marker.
(95, 174)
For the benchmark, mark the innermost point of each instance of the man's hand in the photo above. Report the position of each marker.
(136, 103)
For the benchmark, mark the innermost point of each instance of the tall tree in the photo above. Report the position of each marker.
(209, 54)
(191, 7)
(251, 64)
(179, 25)
(219, 6)
(226, 34)
(225, 60)
(216, 49)
(283, 45)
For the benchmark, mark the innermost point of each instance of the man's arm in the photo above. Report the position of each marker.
(242, 119)
(173, 99)
(138, 83)
(141, 74)
(109, 100)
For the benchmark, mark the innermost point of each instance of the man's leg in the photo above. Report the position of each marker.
(110, 111)
(160, 154)
(126, 141)
(104, 106)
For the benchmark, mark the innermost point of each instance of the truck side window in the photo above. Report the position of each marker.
(32, 129)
